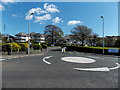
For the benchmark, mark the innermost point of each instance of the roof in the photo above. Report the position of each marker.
(32, 34)
(38, 35)
(21, 34)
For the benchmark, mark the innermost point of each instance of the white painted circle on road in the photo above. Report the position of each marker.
(78, 60)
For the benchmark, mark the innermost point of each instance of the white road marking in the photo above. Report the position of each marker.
(93, 69)
(15, 57)
(103, 69)
(118, 66)
(44, 59)
(78, 60)
(2, 59)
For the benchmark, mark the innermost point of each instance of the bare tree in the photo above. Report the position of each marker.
(82, 31)
(53, 34)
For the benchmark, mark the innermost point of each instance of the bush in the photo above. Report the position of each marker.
(44, 46)
(24, 46)
(9, 46)
(5, 48)
(15, 46)
(37, 47)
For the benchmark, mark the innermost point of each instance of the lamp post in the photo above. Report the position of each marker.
(103, 33)
(29, 34)
(8, 39)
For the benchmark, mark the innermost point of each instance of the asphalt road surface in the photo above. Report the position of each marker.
(52, 72)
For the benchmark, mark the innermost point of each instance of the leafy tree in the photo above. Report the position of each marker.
(82, 31)
(95, 36)
(117, 43)
(53, 34)
(109, 42)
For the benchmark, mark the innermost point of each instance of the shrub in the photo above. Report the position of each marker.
(37, 47)
(24, 46)
(9, 46)
(44, 46)
(5, 48)
(15, 46)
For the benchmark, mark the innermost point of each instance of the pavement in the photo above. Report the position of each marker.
(24, 55)
(50, 71)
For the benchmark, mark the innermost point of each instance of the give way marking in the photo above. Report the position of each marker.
(104, 69)
(44, 59)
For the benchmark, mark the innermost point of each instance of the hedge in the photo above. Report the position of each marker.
(90, 49)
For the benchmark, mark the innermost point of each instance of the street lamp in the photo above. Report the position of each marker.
(103, 34)
(10, 41)
(29, 33)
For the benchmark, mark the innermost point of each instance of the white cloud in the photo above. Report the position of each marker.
(9, 1)
(14, 15)
(1, 7)
(51, 8)
(29, 17)
(43, 23)
(44, 17)
(73, 22)
(38, 11)
(57, 20)
(43, 14)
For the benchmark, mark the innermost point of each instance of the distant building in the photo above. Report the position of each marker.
(39, 38)
(21, 37)
(36, 37)
(7, 38)
(113, 37)
(72, 39)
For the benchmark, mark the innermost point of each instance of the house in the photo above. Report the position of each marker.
(7, 38)
(72, 39)
(39, 38)
(36, 37)
(21, 37)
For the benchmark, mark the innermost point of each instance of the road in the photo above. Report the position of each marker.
(52, 72)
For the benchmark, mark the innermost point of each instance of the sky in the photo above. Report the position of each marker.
(65, 15)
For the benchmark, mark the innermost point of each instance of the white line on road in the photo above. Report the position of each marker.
(2, 59)
(104, 69)
(118, 66)
(44, 59)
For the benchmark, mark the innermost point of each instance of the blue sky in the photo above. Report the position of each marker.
(83, 13)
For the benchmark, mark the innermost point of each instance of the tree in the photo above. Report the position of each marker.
(53, 34)
(82, 31)
(117, 43)
(95, 36)
(109, 42)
